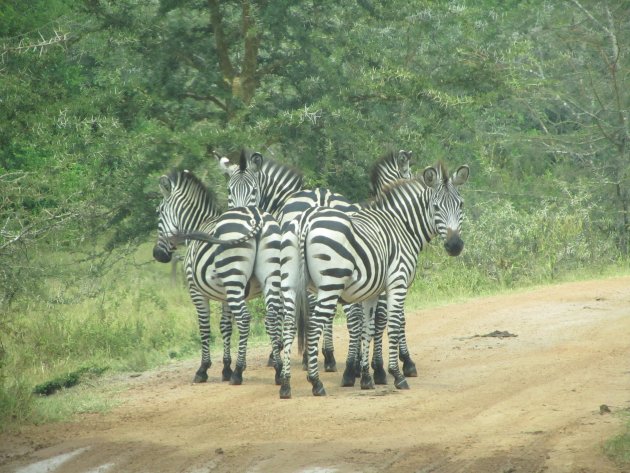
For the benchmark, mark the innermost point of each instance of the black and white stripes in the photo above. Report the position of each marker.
(223, 272)
(356, 257)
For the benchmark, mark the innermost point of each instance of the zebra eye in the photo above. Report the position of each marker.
(436, 207)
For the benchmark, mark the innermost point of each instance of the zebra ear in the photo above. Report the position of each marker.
(430, 177)
(165, 186)
(461, 175)
(404, 157)
(225, 166)
(255, 162)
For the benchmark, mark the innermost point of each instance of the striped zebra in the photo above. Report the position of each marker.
(278, 190)
(243, 187)
(387, 170)
(231, 256)
(358, 257)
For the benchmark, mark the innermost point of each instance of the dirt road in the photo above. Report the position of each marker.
(528, 403)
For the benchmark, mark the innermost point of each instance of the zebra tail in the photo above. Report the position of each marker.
(302, 308)
(181, 237)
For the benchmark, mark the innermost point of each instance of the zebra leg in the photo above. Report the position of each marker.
(272, 327)
(293, 295)
(323, 311)
(409, 367)
(380, 323)
(330, 364)
(354, 319)
(288, 335)
(203, 316)
(242, 318)
(225, 325)
(395, 322)
(311, 307)
(369, 309)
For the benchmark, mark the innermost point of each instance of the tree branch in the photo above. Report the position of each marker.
(207, 98)
(216, 21)
(251, 42)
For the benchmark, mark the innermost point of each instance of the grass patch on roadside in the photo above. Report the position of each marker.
(441, 279)
(84, 398)
(135, 317)
(617, 448)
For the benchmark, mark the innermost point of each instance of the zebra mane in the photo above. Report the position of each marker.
(269, 165)
(397, 187)
(188, 179)
(442, 171)
(242, 164)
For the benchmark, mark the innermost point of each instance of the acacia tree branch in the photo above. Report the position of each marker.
(34, 230)
(41, 45)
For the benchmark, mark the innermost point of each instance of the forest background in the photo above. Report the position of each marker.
(98, 98)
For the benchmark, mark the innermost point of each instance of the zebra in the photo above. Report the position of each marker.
(357, 257)
(388, 169)
(277, 188)
(231, 256)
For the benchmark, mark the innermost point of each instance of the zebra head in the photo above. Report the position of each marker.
(243, 187)
(167, 223)
(186, 203)
(445, 204)
(389, 169)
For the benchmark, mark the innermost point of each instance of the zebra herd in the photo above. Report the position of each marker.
(305, 251)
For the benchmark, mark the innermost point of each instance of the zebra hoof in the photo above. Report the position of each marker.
(318, 386)
(349, 376)
(330, 364)
(226, 374)
(380, 376)
(401, 384)
(200, 378)
(285, 389)
(409, 369)
(237, 377)
(366, 381)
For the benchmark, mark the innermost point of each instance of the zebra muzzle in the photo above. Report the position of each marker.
(453, 243)
(161, 255)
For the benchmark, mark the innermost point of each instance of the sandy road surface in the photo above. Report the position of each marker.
(522, 404)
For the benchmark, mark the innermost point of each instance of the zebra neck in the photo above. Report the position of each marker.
(204, 221)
